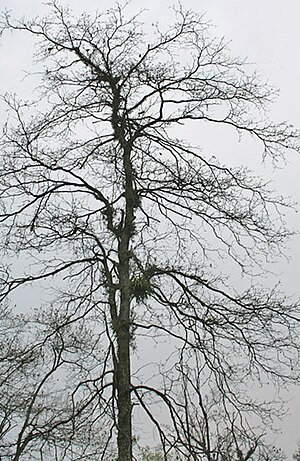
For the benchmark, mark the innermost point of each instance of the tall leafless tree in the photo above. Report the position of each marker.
(136, 228)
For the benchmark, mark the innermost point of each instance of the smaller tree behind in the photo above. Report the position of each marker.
(49, 401)
(296, 455)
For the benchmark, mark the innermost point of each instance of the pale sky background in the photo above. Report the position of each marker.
(265, 31)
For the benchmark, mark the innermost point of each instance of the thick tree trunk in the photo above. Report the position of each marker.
(123, 388)
(122, 370)
(123, 330)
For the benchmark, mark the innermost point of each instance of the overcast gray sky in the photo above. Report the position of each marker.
(265, 31)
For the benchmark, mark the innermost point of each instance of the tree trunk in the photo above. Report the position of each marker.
(123, 354)
(122, 371)
(123, 383)
(123, 387)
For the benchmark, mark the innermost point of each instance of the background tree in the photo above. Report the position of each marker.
(296, 455)
(51, 404)
(134, 229)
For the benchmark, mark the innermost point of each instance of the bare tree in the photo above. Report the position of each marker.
(133, 229)
(296, 455)
(51, 403)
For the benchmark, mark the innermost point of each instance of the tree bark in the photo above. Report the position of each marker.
(123, 371)
(123, 374)
(122, 367)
